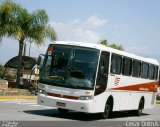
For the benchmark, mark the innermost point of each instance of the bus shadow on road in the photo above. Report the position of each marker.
(124, 114)
(72, 115)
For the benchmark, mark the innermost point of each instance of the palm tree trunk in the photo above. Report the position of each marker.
(19, 68)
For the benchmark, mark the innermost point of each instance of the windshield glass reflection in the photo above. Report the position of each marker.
(72, 67)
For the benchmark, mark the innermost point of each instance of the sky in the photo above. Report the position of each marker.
(133, 24)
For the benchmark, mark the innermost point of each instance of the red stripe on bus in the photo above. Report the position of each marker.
(148, 87)
(63, 96)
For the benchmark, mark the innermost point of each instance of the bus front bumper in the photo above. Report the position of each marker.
(77, 105)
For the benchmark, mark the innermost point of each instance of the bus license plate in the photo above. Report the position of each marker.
(61, 104)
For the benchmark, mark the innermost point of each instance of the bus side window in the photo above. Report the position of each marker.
(156, 72)
(127, 66)
(144, 70)
(116, 64)
(136, 68)
(151, 71)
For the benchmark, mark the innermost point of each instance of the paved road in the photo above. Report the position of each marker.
(28, 110)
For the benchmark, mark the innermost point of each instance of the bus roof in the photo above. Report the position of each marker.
(109, 49)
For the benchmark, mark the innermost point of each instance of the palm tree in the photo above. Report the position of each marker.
(119, 47)
(18, 23)
(105, 42)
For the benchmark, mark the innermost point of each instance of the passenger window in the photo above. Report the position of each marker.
(127, 65)
(116, 64)
(136, 68)
(144, 70)
(156, 72)
(151, 71)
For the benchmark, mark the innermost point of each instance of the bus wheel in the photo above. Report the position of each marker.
(107, 111)
(62, 111)
(140, 108)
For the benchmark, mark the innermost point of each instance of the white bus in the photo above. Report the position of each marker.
(93, 78)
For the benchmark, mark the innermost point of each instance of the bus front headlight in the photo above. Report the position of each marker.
(41, 91)
(85, 98)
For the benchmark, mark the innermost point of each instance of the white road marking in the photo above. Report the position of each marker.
(26, 103)
(35, 105)
(9, 102)
(23, 102)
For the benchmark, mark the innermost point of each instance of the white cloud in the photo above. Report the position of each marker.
(95, 22)
(78, 30)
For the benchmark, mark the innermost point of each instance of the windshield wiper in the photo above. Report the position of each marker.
(56, 77)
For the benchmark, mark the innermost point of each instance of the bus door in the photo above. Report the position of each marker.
(101, 83)
(102, 76)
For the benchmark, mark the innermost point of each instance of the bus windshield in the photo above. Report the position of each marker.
(71, 67)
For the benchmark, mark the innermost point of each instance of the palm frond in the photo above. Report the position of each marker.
(50, 33)
(40, 17)
(18, 23)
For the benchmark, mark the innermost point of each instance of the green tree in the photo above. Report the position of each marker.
(18, 23)
(105, 42)
(119, 47)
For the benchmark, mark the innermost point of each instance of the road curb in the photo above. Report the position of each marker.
(18, 97)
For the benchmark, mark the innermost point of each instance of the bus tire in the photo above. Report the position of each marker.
(140, 108)
(107, 110)
(62, 111)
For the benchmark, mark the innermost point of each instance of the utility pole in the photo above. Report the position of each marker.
(30, 47)
(24, 49)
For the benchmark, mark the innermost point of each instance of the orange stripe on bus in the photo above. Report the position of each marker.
(148, 87)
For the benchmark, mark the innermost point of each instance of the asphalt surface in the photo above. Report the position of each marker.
(28, 111)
